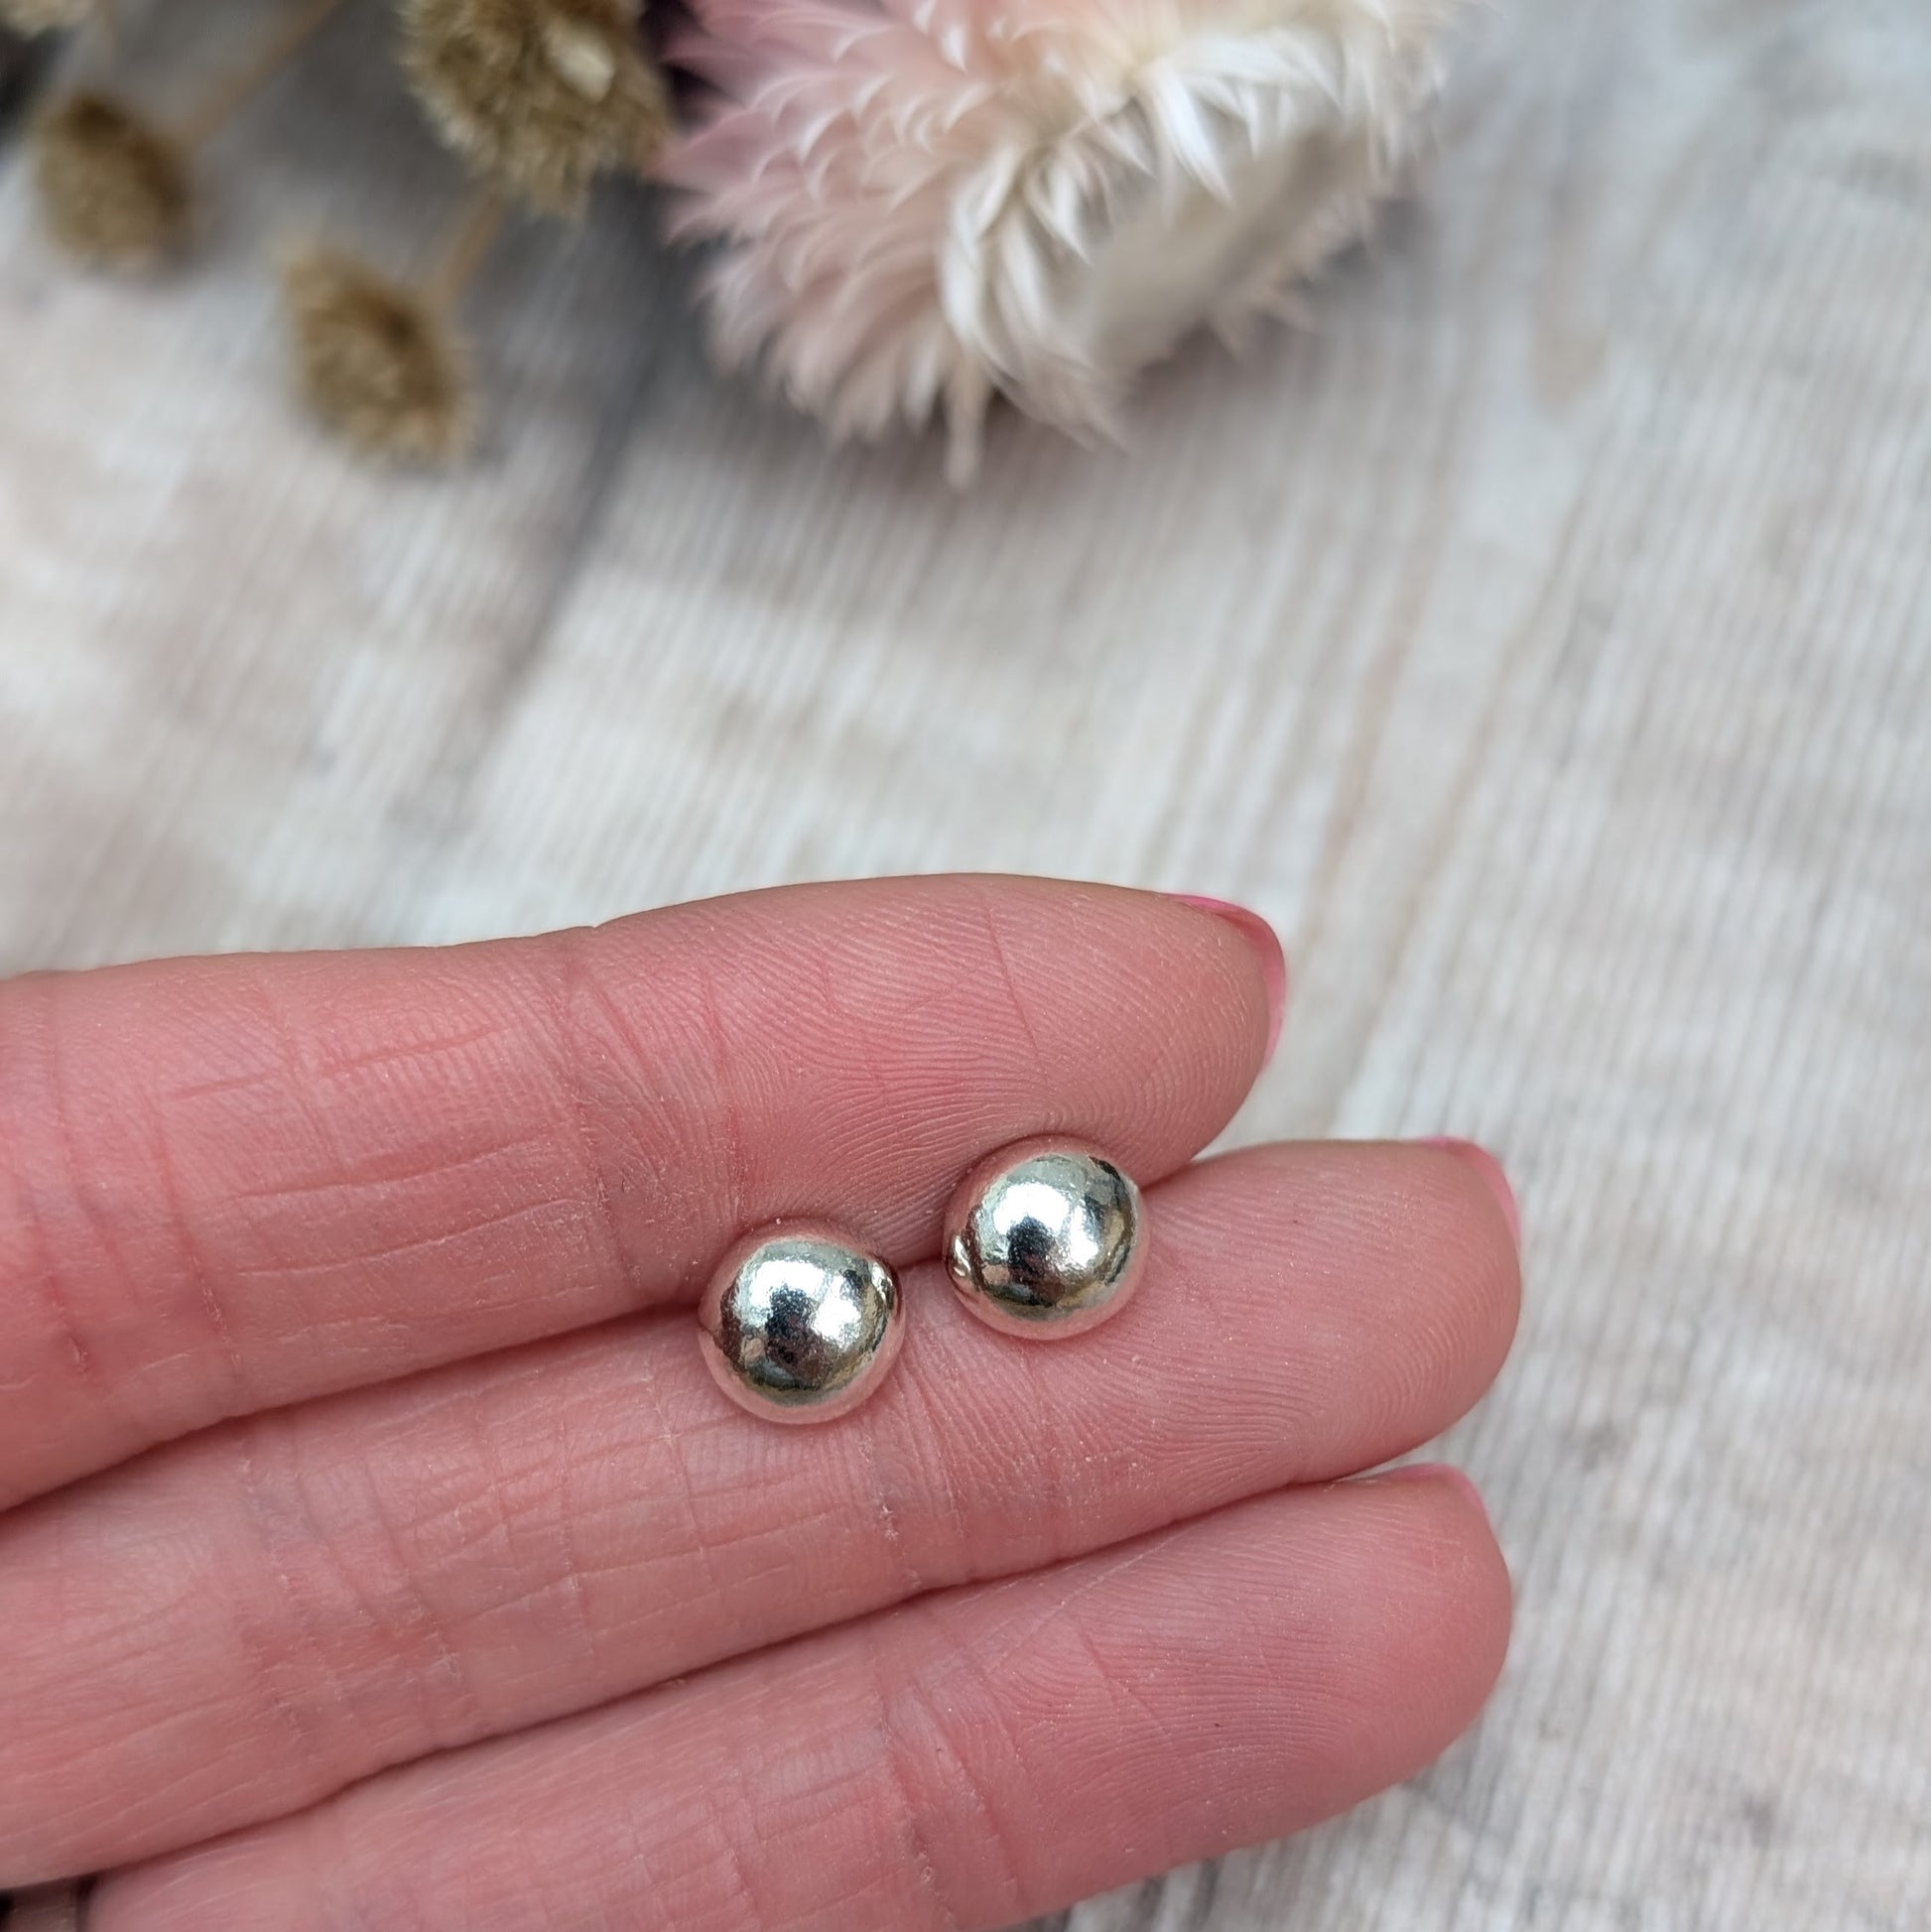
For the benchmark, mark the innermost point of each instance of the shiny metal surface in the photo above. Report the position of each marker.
(799, 1324)
(1044, 1238)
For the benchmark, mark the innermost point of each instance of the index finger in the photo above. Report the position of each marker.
(231, 1183)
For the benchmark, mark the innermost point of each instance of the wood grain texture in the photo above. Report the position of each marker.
(1543, 641)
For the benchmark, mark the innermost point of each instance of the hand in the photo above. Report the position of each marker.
(370, 1512)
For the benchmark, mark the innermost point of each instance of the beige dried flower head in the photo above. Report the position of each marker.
(46, 16)
(378, 363)
(539, 94)
(113, 188)
(926, 202)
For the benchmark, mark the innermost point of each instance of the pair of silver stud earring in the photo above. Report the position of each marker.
(1043, 1239)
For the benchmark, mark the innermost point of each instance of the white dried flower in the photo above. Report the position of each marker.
(927, 202)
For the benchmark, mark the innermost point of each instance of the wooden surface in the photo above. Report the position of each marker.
(1543, 641)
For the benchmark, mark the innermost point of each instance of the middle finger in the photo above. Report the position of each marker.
(244, 1623)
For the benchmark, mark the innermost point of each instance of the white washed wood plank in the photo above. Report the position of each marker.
(1545, 643)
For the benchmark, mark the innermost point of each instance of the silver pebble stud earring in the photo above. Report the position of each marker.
(1045, 1238)
(799, 1323)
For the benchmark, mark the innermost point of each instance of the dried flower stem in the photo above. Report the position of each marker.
(236, 89)
(468, 248)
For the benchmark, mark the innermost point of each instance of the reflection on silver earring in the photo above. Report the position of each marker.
(799, 1323)
(1045, 1238)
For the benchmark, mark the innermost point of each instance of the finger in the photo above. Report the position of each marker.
(230, 1183)
(259, 1616)
(964, 1763)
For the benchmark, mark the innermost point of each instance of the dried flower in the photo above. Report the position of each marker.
(45, 16)
(377, 362)
(539, 94)
(929, 201)
(113, 188)
(117, 189)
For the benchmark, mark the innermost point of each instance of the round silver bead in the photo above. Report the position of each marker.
(799, 1324)
(1045, 1238)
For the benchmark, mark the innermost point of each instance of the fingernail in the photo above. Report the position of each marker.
(1437, 1473)
(1490, 1169)
(1267, 949)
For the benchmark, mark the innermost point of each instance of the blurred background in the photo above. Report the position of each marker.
(1540, 637)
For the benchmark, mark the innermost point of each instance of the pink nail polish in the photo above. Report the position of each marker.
(1267, 949)
(1490, 1169)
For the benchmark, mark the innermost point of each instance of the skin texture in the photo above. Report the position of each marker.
(371, 1506)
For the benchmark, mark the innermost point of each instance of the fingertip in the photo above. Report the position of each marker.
(1451, 1537)
(1481, 1230)
(1440, 1472)
(1271, 956)
(1494, 1177)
